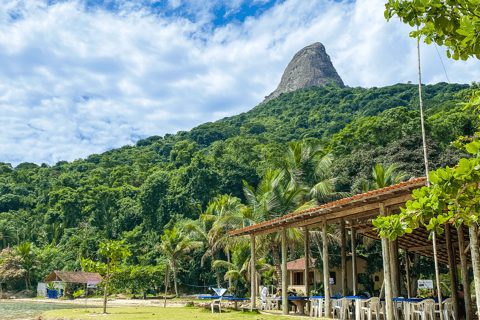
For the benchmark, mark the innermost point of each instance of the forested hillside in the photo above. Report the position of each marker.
(136, 192)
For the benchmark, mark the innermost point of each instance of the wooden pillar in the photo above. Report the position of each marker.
(407, 271)
(452, 267)
(354, 259)
(464, 268)
(343, 237)
(387, 279)
(475, 261)
(326, 270)
(307, 261)
(284, 271)
(307, 264)
(253, 276)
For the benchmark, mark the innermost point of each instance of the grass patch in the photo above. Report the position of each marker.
(153, 313)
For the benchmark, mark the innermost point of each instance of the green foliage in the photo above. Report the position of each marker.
(324, 141)
(452, 23)
(452, 196)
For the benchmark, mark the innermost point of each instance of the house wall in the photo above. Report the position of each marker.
(337, 286)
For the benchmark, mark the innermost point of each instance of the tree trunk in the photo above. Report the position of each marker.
(293, 255)
(228, 259)
(175, 280)
(475, 261)
(217, 273)
(278, 264)
(4, 242)
(106, 287)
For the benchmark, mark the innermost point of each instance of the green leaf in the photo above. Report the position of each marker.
(473, 147)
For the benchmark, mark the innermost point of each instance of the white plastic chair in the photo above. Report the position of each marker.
(369, 307)
(424, 309)
(342, 306)
(267, 303)
(317, 307)
(217, 303)
(398, 306)
(448, 309)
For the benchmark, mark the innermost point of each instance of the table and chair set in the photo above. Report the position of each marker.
(362, 308)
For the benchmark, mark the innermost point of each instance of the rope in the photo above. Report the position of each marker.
(442, 62)
(208, 286)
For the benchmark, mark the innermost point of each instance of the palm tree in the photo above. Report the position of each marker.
(240, 266)
(275, 197)
(383, 178)
(211, 230)
(307, 163)
(28, 255)
(176, 245)
(6, 231)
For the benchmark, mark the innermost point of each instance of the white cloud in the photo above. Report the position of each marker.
(76, 81)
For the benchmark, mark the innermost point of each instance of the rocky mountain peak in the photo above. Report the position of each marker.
(309, 67)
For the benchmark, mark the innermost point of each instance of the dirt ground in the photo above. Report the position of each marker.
(98, 302)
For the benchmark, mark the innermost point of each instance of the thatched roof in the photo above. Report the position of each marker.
(73, 276)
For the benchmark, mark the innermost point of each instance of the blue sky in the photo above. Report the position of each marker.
(81, 77)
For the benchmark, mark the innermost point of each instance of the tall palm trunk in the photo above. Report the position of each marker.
(293, 255)
(175, 271)
(277, 263)
(217, 272)
(228, 259)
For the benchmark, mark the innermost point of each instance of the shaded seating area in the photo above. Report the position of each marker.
(354, 216)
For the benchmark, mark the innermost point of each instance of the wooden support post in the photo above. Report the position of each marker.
(475, 261)
(326, 269)
(307, 264)
(354, 259)
(284, 272)
(387, 279)
(452, 267)
(253, 276)
(407, 271)
(343, 237)
(464, 268)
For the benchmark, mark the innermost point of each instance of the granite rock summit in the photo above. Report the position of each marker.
(309, 67)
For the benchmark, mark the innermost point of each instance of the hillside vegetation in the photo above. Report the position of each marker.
(136, 192)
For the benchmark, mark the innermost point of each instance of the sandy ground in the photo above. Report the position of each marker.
(98, 302)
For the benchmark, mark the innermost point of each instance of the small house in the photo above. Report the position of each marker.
(63, 279)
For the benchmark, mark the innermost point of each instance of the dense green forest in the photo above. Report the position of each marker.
(134, 193)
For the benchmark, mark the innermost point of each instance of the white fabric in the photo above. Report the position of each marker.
(219, 291)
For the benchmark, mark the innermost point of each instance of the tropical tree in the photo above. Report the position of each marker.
(275, 197)
(11, 267)
(6, 232)
(307, 163)
(211, 229)
(26, 252)
(452, 23)
(176, 245)
(240, 266)
(382, 178)
(114, 252)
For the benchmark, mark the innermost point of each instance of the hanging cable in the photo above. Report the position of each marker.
(445, 70)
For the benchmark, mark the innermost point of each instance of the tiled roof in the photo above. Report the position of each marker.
(375, 193)
(299, 264)
(73, 276)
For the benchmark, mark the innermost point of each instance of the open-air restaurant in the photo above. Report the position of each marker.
(354, 217)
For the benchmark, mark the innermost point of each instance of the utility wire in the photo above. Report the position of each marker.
(441, 60)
